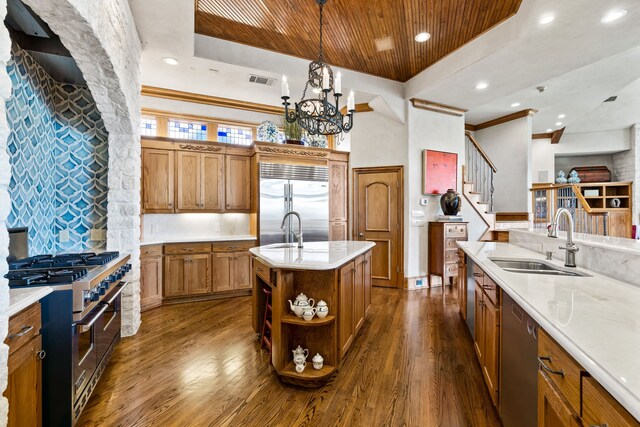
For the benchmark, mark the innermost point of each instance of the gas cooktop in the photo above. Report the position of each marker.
(64, 260)
(43, 276)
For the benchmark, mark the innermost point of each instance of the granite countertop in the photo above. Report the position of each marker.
(314, 255)
(21, 298)
(162, 240)
(595, 319)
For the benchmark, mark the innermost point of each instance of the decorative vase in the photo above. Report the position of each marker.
(450, 202)
(561, 178)
(267, 131)
(573, 177)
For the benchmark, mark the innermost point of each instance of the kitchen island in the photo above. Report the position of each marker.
(339, 273)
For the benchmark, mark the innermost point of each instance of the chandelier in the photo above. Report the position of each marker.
(320, 115)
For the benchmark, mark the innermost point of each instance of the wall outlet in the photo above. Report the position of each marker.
(424, 201)
(64, 236)
(98, 234)
(419, 282)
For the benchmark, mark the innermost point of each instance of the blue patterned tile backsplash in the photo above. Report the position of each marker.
(59, 159)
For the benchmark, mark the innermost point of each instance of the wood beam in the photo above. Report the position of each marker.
(360, 108)
(469, 127)
(557, 135)
(197, 98)
(542, 135)
(424, 104)
(507, 118)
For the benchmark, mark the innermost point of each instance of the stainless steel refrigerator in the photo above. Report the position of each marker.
(285, 188)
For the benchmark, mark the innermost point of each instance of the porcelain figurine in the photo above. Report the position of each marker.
(322, 309)
(300, 355)
(561, 178)
(318, 361)
(300, 304)
(308, 313)
(573, 177)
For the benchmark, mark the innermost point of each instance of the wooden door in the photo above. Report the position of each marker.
(338, 191)
(24, 386)
(358, 294)
(213, 182)
(478, 339)
(242, 270)
(222, 271)
(378, 218)
(367, 281)
(174, 275)
(150, 282)
(157, 180)
(345, 307)
(189, 181)
(238, 183)
(491, 355)
(553, 408)
(198, 274)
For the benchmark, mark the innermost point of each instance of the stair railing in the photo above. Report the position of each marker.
(479, 170)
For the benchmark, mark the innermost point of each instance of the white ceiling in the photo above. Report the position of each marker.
(581, 61)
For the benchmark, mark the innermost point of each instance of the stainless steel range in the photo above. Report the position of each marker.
(80, 324)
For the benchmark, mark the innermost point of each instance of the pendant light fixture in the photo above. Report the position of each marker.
(320, 115)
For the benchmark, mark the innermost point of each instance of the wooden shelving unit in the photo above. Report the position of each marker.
(309, 372)
(607, 191)
(292, 319)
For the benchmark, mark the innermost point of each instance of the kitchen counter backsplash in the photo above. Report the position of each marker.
(612, 257)
(193, 227)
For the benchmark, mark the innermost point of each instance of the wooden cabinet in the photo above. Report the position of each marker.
(242, 270)
(553, 408)
(367, 281)
(337, 230)
(199, 182)
(462, 284)
(600, 409)
(157, 180)
(358, 294)
(338, 215)
(345, 308)
(231, 271)
(443, 249)
(24, 385)
(487, 339)
(151, 270)
(238, 183)
(187, 275)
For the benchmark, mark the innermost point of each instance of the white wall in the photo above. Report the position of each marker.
(565, 163)
(509, 147)
(542, 161)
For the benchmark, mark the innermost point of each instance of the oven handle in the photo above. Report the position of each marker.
(86, 326)
(116, 294)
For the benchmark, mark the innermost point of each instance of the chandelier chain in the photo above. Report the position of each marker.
(321, 53)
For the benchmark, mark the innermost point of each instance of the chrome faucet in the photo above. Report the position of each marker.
(299, 233)
(570, 247)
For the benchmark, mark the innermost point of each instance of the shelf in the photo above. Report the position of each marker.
(292, 319)
(309, 373)
(617, 197)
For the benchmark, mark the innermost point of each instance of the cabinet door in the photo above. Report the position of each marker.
(358, 294)
(553, 408)
(222, 271)
(189, 181)
(174, 266)
(238, 183)
(242, 270)
(213, 182)
(198, 274)
(462, 286)
(150, 282)
(367, 281)
(338, 191)
(478, 339)
(600, 409)
(491, 355)
(24, 386)
(157, 180)
(345, 308)
(337, 231)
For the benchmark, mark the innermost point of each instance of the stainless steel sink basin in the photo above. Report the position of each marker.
(532, 266)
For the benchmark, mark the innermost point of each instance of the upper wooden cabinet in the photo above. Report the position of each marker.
(238, 183)
(338, 191)
(157, 180)
(199, 182)
(212, 182)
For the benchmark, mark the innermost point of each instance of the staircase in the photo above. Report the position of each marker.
(478, 190)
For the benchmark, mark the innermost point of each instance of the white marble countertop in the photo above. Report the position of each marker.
(595, 319)
(231, 238)
(314, 255)
(21, 298)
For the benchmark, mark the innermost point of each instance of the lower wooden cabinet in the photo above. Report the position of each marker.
(462, 284)
(553, 409)
(150, 281)
(487, 339)
(600, 409)
(231, 271)
(355, 299)
(187, 275)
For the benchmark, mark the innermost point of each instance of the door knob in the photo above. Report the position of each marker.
(360, 234)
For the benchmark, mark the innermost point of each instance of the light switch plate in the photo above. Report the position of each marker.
(424, 201)
(64, 236)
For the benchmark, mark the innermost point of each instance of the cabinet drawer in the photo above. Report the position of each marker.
(23, 326)
(450, 243)
(450, 256)
(566, 375)
(478, 275)
(233, 246)
(599, 408)
(262, 270)
(451, 269)
(491, 289)
(455, 230)
(186, 248)
(151, 250)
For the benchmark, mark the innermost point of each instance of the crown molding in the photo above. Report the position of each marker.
(424, 104)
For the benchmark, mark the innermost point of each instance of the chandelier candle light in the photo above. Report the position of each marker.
(319, 116)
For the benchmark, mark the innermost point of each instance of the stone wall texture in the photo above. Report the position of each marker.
(627, 168)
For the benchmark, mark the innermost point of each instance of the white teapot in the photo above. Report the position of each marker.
(300, 304)
(322, 309)
(318, 361)
(300, 355)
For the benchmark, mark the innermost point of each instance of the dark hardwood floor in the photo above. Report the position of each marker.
(199, 364)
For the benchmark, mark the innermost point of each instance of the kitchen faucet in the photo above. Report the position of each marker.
(299, 233)
(570, 247)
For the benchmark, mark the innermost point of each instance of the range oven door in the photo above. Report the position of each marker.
(85, 349)
(108, 325)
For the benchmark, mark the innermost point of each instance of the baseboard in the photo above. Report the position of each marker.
(228, 294)
(418, 282)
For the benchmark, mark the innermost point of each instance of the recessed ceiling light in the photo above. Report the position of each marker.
(170, 61)
(482, 85)
(549, 130)
(423, 37)
(559, 124)
(613, 15)
(547, 19)
(562, 116)
(515, 104)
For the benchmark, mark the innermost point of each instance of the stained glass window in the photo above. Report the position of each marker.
(148, 126)
(187, 130)
(235, 135)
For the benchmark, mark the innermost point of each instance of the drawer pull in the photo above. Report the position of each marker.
(599, 425)
(542, 359)
(477, 274)
(24, 331)
(258, 268)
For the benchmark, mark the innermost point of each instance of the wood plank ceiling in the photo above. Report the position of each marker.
(351, 28)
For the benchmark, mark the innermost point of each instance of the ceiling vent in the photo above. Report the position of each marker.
(611, 99)
(384, 43)
(261, 80)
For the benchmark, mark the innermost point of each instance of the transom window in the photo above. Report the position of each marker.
(148, 126)
(187, 130)
(235, 135)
